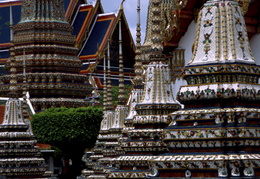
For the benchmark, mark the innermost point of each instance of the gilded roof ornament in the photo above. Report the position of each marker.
(244, 5)
(172, 18)
(180, 4)
(122, 5)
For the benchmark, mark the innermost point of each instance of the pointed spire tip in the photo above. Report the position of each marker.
(122, 5)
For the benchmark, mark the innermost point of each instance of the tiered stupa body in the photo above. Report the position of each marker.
(52, 66)
(19, 156)
(144, 141)
(138, 85)
(217, 134)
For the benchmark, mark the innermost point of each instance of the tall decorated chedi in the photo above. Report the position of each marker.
(52, 65)
(19, 156)
(95, 167)
(121, 110)
(144, 141)
(107, 145)
(218, 132)
(138, 85)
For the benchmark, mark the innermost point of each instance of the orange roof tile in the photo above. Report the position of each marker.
(43, 146)
(2, 113)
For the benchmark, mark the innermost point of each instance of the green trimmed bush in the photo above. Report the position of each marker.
(71, 130)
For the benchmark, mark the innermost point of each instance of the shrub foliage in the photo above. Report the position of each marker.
(71, 130)
(63, 127)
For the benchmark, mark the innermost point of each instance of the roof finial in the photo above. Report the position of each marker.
(122, 5)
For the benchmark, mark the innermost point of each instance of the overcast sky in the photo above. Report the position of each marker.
(130, 7)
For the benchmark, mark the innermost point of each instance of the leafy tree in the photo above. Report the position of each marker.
(115, 93)
(71, 130)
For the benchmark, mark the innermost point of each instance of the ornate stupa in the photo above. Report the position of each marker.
(107, 145)
(19, 156)
(138, 85)
(144, 140)
(121, 110)
(217, 133)
(52, 65)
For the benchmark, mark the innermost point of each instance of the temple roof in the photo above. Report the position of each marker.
(92, 28)
(96, 41)
(4, 25)
(83, 19)
(103, 28)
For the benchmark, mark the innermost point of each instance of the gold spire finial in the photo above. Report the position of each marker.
(244, 5)
(122, 5)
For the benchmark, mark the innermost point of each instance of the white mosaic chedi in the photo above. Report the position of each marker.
(221, 35)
